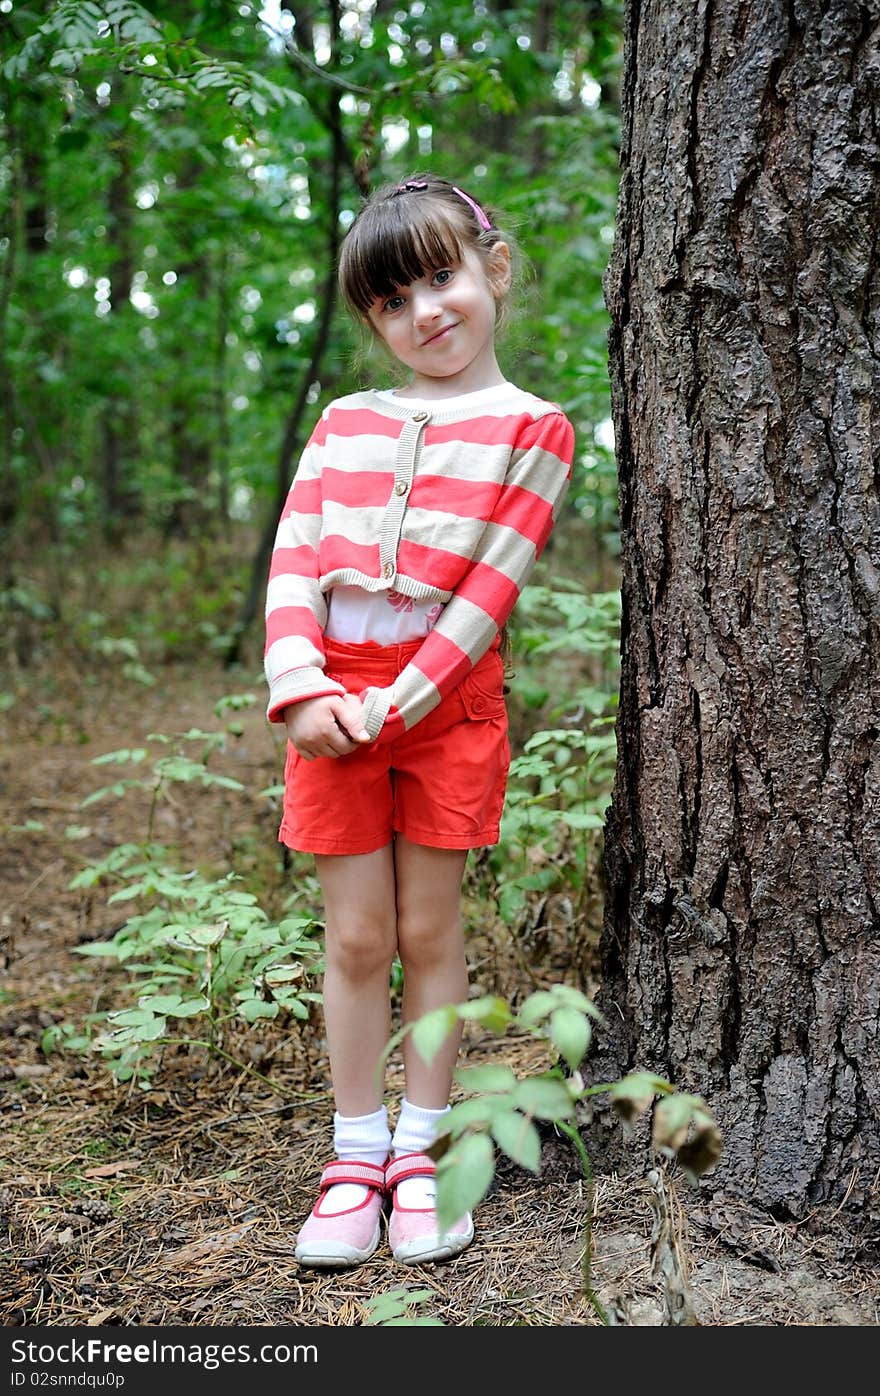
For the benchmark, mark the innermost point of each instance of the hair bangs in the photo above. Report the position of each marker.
(394, 243)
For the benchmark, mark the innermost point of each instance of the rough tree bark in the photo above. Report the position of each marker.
(741, 946)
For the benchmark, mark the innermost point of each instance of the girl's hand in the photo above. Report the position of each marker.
(332, 725)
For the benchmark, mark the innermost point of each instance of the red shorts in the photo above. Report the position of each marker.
(441, 784)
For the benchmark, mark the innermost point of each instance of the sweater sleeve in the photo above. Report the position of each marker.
(513, 539)
(296, 608)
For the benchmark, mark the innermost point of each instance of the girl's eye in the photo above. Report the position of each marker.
(441, 277)
(393, 303)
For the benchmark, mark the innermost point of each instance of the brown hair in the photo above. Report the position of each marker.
(403, 230)
(423, 223)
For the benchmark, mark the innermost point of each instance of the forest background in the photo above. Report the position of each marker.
(176, 180)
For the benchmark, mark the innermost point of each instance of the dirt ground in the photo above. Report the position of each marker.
(179, 1206)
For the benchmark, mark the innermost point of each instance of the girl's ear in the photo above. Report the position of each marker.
(498, 269)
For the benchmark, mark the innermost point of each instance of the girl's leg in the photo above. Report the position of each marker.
(430, 942)
(361, 941)
(345, 1224)
(431, 945)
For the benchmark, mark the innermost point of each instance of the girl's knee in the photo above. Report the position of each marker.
(426, 940)
(360, 948)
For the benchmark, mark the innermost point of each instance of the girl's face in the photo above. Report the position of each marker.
(442, 325)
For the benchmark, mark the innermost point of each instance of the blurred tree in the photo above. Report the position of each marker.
(118, 429)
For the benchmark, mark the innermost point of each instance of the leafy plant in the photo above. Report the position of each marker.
(196, 950)
(174, 768)
(79, 31)
(555, 806)
(199, 950)
(560, 786)
(395, 1309)
(124, 647)
(503, 1108)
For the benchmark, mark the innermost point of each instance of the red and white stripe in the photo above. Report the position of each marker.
(484, 487)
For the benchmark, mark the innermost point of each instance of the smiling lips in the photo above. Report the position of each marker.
(439, 335)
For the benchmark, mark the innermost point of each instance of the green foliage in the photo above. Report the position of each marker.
(503, 1112)
(197, 951)
(176, 768)
(500, 1109)
(156, 336)
(80, 35)
(112, 647)
(559, 787)
(397, 1309)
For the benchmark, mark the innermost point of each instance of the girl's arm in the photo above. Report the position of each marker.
(512, 542)
(296, 608)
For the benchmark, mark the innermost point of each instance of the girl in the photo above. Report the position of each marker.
(415, 517)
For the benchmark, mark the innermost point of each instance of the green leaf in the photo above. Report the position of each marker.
(418, 1321)
(382, 1307)
(573, 998)
(200, 937)
(190, 1008)
(115, 758)
(544, 1097)
(480, 1111)
(632, 1095)
(569, 1031)
(130, 1017)
(491, 1011)
(519, 1139)
(279, 975)
(579, 819)
(77, 831)
(432, 1030)
(672, 1119)
(464, 1176)
(98, 948)
(537, 1007)
(486, 1078)
(703, 1150)
(252, 1009)
(118, 789)
(148, 1031)
(160, 1003)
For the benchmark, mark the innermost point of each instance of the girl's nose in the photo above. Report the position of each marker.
(425, 308)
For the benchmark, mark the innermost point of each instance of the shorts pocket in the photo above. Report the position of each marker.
(482, 692)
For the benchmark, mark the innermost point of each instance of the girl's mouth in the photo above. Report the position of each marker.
(441, 334)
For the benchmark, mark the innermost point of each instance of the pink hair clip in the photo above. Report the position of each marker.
(480, 215)
(411, 186)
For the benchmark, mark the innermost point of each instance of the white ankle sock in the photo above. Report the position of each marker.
(366, 1138)
(416, 1130)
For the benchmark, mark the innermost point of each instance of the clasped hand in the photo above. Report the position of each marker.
(332, 725)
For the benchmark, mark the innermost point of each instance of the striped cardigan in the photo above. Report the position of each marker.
(452, 506)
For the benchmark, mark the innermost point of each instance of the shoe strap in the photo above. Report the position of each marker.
(409, 1166)
(371, 1175)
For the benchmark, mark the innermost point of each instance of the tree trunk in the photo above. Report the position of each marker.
(740, 951)
(293, 438)
(118, 427)
(10, 222)
(191, 424)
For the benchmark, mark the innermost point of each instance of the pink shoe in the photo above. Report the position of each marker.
(413, 1232)
(344, 1238)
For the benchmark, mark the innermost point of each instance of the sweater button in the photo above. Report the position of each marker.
(478, 705)
(420, 416)
(388, 569)
(401, 487)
